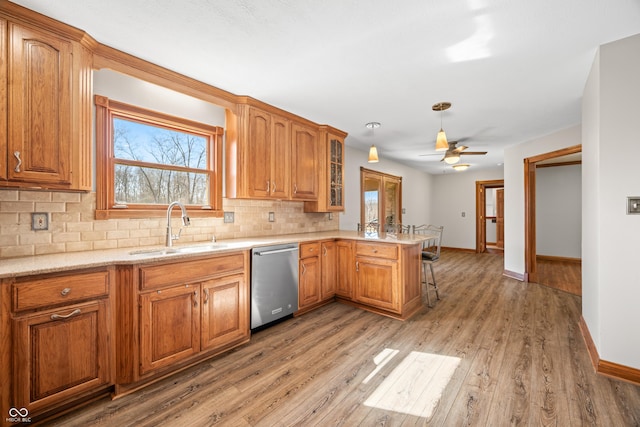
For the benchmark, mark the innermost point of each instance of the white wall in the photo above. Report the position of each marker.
(514, 190)
(453, 194)
(559, 211)
(416, 189)
(611, 292)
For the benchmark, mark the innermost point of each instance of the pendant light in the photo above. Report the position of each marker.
(441, 138)
(373, 151)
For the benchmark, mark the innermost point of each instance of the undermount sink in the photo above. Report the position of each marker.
(179, 249)
(198, 248)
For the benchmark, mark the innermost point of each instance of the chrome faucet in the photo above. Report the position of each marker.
(185, 220)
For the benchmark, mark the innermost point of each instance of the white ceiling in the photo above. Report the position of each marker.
(513, 70)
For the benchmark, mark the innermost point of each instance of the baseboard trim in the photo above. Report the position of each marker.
(603, 367)
(559, 259)
(514, 275)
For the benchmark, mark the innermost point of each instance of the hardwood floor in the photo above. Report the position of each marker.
(563, 275)
(521, 361)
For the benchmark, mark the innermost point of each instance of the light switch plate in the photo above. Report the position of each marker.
(633, 205)
(228, 217)
(39, 221)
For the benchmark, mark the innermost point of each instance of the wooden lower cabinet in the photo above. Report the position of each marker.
(309, 275)
(329, 269)
(345, 262)
(61, 340)
(225, 317)
(169, 326)
(380, 277)
(377, 283)
(177, 313)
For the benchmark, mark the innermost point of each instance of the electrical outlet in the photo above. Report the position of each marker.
(633, 205)
(39, 221)
(228, 217)
(272, 217)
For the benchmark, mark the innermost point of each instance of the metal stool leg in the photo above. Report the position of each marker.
(425, 280)
(435, 286)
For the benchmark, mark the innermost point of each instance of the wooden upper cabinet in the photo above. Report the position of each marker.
(280, 186)
(330, 172)
(258, 159)
(304, 162)
(259, 153)
(48, 110)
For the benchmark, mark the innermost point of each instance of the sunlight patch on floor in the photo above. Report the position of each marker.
(415, 386)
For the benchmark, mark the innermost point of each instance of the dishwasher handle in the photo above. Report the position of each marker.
(275, 251)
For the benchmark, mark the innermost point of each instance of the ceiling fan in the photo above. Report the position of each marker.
(453, 153)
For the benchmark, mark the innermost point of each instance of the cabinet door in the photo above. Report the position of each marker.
(225, 311)
(329, 255)
(345, 263)
(377, 283)
(280, 185)
(304, 162)
(259, 153)
(61, 353)
(39, 110)
(169, 326)
(336, 173)
(309, 281)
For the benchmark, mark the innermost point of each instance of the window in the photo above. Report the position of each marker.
(146, 160)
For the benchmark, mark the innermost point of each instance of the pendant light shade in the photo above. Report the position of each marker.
(373, 154)
(373, 151)
(441, 139)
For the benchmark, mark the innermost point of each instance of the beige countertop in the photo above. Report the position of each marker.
(39, 264)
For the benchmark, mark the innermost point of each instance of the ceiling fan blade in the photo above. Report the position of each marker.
(460, 149)
(473, 153)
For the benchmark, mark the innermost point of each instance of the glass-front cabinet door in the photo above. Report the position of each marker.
(336, 171)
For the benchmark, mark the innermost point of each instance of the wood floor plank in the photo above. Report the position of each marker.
(522, 362)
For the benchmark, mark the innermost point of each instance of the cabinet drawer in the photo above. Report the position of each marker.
(60, 289)
(377, 250)
(154, 276)
(309, 249)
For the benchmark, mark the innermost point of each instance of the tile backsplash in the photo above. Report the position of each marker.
(72, 225)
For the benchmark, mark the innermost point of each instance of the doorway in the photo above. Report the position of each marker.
(530, 164)
(482, 216)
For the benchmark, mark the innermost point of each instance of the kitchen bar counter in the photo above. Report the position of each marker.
(40, 264)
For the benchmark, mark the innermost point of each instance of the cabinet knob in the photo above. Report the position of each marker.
(65, 292)
(16, 154)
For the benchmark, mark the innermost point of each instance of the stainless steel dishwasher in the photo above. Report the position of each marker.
(274, 283)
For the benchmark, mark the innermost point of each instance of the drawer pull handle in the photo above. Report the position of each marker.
(357, 266)
(65, 316)
(267, 186)
(16, 154)
(195, 298)
(65, 292)
(206, 296)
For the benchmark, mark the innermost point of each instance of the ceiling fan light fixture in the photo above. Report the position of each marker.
(441, 138)
(373, 151)
(373, 154)
(461, 167)
(451, 157)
